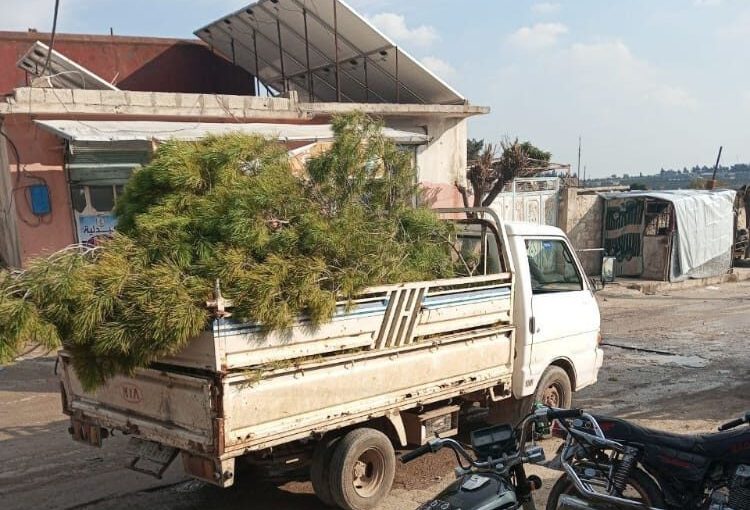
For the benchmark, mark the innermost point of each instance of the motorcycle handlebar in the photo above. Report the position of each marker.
(562, 414)
(416, 453)
(734, 423)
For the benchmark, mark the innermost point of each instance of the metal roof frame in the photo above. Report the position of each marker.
(324, 50)
(62, 72)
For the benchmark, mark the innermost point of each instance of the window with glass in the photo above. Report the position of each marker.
(552, 267)
(476, 250)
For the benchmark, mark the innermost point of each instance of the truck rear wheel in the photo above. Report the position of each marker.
(319, 469)
(362, 469)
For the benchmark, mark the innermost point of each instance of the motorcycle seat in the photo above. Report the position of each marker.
(714, 445)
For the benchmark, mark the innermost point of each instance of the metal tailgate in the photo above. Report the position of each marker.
(170, 408)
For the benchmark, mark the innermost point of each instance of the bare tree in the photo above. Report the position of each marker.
(489, 174)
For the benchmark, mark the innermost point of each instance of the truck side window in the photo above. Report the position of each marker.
(476, 251)
(552, 267)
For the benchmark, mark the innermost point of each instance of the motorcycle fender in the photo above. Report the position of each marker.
(474, 492)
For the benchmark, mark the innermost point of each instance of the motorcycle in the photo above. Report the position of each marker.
(495, 477)
(610, 463)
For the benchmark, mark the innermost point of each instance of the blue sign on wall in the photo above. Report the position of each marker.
(95, 225)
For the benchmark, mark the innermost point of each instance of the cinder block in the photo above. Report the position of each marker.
(278, 103)
(87, 96)
(211, 102)
(188, 101)
(29, 94)
(58, 96)
(234, 103)
(165, 99)
(114, 98)
(256, 103)
(136, 98)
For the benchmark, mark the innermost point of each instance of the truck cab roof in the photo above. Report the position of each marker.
(517, 228)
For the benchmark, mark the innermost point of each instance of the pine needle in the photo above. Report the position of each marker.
(228, 207)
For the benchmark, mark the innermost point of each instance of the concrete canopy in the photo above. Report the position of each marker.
(325, 51)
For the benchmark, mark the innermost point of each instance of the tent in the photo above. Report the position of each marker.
(669, 235)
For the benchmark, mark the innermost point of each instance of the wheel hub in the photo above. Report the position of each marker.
(551, 396)
(368, 472)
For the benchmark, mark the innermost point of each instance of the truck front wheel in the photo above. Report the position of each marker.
(554, 389)
(362, 469)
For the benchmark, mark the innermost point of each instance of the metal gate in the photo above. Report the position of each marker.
(531, 199)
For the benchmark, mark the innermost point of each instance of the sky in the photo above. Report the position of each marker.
(646, 84)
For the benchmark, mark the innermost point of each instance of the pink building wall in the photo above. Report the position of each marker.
(42, 160)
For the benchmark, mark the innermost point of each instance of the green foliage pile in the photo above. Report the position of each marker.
(228, 208)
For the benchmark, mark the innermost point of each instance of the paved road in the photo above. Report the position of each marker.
(698, 375)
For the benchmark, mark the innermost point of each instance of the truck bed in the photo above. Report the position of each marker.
(236, 390)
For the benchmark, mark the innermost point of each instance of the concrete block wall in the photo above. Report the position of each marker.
(581, 215)
(164, 104)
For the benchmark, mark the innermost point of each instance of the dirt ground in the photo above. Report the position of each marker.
(679, 362)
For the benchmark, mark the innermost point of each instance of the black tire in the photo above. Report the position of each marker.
(319, 469)
(362, 469)
(639, 481)
(554, 389)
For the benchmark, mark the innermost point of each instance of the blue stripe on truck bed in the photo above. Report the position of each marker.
(233, 327)
(464, 297)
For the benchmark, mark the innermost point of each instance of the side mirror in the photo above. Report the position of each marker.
(596, 285)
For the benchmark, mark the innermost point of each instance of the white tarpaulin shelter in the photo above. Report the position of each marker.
(326, 51)
(704, 228)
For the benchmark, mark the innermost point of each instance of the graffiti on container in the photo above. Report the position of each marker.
(623, 223)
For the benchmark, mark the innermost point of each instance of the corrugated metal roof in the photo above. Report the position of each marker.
(128, 131)
(62, 71)
(291, 45)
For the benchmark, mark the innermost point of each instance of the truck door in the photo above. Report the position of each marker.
(565, 315)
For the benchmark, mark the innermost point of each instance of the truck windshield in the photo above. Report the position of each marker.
(551, 267)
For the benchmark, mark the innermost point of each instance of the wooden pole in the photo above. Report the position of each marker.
(712, 183)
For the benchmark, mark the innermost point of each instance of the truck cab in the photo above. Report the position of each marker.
(556, 316)
(555, 313)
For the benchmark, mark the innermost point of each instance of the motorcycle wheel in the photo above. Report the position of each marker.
(640, 485)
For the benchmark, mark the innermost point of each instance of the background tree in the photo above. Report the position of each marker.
(488, 174)
(473, 149)
(638, 186)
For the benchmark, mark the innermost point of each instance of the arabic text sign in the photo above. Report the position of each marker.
(97, 225)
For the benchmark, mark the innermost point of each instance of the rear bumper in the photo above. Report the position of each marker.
(599, 363)
(109, 419)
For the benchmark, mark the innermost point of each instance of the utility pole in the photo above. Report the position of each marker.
(712, 183)
(578, 169)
